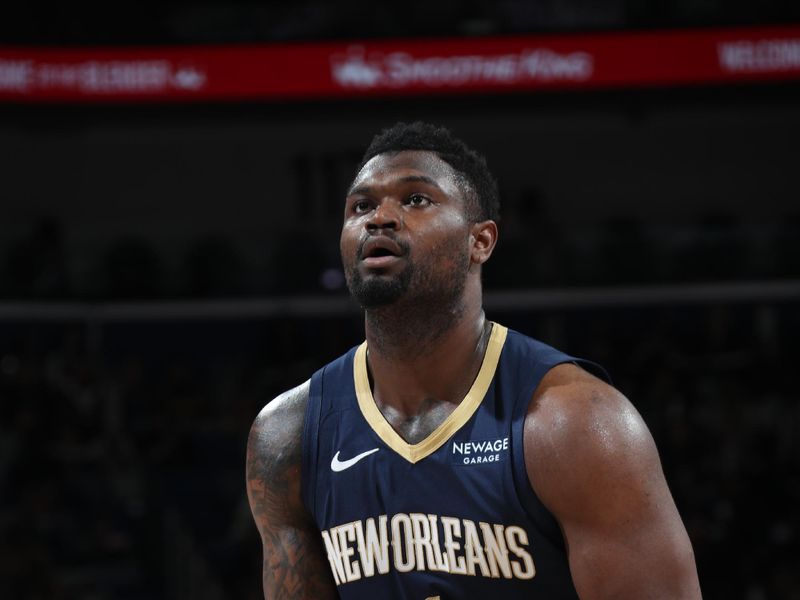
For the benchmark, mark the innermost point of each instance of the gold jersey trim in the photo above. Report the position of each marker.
(456, 420)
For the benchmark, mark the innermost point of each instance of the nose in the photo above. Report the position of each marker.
(385, 216)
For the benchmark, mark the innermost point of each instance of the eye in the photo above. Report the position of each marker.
(361, 206)
(418, 200)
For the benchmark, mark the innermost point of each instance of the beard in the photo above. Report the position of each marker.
(431, 285)
(378, 291)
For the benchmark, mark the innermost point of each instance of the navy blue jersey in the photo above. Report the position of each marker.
(450, 517)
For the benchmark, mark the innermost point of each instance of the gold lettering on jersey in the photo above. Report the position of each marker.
(347, 534)
(373, 546)
(402, 540)
(424, 542)
(440, 558)
(516, 537)
(452, 529)
(496, 550)
(474, 549)
(334, 555)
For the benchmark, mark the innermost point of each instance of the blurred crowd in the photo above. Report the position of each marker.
(122, 471)
(535, 251)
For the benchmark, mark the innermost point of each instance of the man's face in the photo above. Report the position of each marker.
(405, 232)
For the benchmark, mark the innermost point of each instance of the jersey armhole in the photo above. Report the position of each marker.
(528, 498)
(308, 474)
(593, 368)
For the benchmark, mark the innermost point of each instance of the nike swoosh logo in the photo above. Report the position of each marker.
(340, 465)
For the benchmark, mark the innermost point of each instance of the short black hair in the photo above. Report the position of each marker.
(477, 182)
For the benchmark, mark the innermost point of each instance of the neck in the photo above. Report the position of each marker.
(406, 333)
(421, 354)
(415, 328)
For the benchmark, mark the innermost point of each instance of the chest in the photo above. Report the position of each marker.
(469, 472)
(445, 512)
(414, 429)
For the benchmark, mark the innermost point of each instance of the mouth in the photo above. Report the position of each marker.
(378, 252)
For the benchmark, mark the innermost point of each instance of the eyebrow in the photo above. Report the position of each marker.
(365, 189)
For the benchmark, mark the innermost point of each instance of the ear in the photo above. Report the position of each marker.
(483, 238)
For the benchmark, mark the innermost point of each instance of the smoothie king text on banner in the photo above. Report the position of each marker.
(393, 68)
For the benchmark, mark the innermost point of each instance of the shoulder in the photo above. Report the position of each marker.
(584, 437)
(281, 420)
(593, 463)
(274, 458)
(294, 564)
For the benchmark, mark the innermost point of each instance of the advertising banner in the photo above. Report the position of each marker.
(397, 68)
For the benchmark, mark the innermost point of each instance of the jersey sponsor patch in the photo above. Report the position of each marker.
(479, 452)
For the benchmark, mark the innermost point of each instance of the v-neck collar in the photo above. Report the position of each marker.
(463, 412)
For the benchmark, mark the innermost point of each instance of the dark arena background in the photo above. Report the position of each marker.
(171, 188)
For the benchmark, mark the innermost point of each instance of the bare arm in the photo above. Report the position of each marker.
(295, 566)
(594, 464)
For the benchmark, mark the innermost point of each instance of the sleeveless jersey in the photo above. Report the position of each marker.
(451, 517)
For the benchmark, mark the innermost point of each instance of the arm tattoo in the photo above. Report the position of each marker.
(295, 566)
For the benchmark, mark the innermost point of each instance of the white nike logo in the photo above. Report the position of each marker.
(337, 465)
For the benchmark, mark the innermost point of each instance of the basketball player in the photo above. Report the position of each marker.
(448, 457)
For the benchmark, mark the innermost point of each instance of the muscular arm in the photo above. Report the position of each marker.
(594, 464)
(295, 566)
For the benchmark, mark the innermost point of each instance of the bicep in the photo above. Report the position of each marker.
(594, 464)
(295, 566)
(628, 540)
